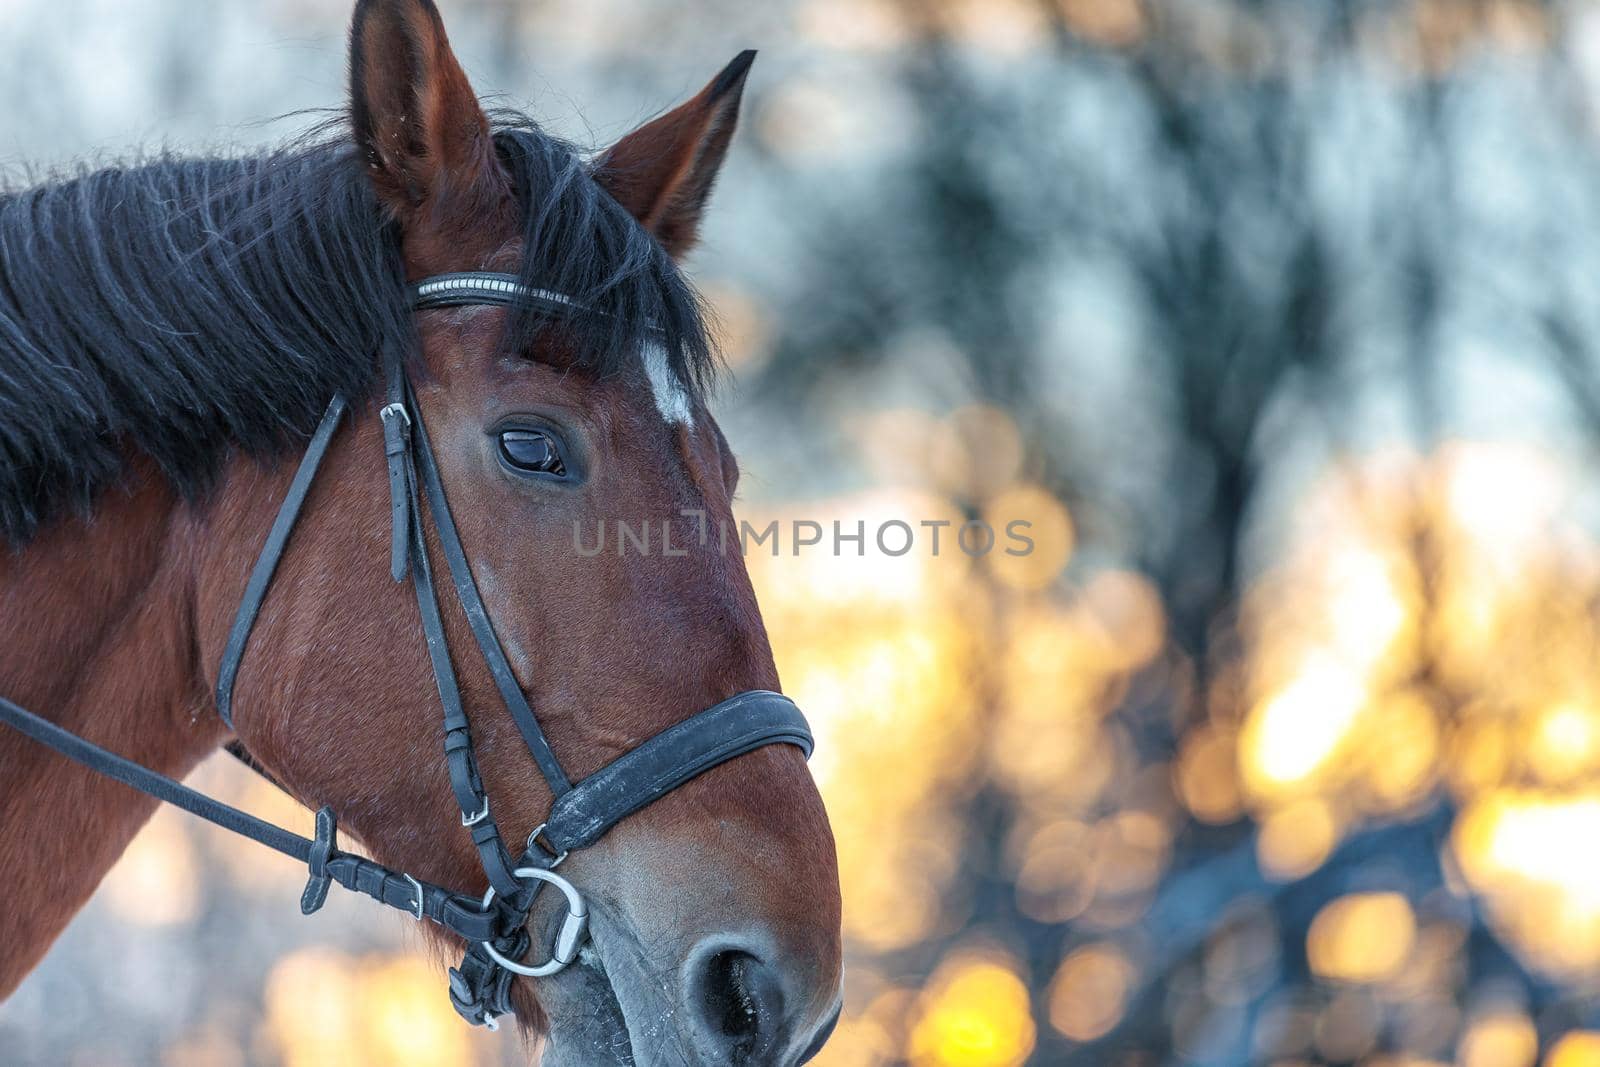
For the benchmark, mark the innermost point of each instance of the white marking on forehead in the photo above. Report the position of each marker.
(672, 399)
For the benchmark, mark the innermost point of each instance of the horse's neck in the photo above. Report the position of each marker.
(96, 634)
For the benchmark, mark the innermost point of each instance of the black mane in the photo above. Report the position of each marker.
(184, 308)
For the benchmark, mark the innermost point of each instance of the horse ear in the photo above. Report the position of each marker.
(416, 119)
(663, 171)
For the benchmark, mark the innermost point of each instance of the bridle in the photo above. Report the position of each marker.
(494, 925)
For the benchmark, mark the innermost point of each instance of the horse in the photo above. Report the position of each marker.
(173, 330)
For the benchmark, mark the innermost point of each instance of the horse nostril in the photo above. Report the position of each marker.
(730, 1002)
(737, 1005)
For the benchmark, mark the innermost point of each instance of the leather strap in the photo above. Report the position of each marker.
(255, 592)
(480, 989)
(397, 457)
(481, 287)
(738, 725)
(494, 655)
(460, 759)
(458, 913)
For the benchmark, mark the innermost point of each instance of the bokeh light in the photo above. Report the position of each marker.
(974, 1013)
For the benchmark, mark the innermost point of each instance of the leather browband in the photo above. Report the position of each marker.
(475, 287)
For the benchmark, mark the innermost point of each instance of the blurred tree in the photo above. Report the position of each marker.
(1270, 242)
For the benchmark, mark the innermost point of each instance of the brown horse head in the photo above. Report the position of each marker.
(716, 925)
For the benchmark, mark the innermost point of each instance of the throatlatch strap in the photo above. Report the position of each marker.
(261, 576)
(738, 725)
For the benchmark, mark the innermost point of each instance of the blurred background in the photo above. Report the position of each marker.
(1277, 318)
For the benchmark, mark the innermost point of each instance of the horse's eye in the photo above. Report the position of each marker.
(532, 451)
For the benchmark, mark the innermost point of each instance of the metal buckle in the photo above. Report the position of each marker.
(533, 842)
(399, 409)
(417, 887)
(570, 936)
(473, 820)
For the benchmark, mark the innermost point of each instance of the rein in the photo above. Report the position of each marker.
(494, 925)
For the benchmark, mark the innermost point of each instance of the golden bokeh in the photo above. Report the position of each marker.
(1581, 1048)
(974, 1012)
(1515, 848)
(1090, 991)
(1294, 736)
(1208, 775)
(1364, 937)
(312, 1009)
(1295, 839)
(1499, 1039)
(1324, 728)
(326, 1007)
(156, 881)
(1034, 537)
(1367, 697)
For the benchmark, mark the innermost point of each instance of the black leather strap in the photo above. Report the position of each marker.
(397, 456)
(480, 989)
(494, 655)
(460, 759)
(738, 725)
(255, 592)
(458, 913)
